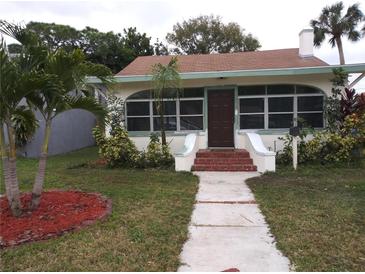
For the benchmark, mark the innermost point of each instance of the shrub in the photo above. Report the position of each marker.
(115, 107)
(328, 147)
(158, 155)
(118, 149)
(286, 155)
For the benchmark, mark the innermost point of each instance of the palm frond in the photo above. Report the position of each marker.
(24, 123)
(166, 79)
(86, 103)
(354, 35)
(332, 22)
(19, 33)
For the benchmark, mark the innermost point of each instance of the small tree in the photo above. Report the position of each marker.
(333, 23)
(166, 82)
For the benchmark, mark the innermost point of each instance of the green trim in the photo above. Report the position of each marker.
(350, 68)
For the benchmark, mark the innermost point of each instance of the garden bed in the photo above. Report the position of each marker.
(59, 212)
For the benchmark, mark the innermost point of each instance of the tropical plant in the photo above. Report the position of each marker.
(118, 150)
(285, 156)
(25, 125)
(18, 80)
(115, 108)
(166, 84)
(332, 109)
(342, 102)
(158, 155)
(60, 86)
(334, 23)
(64, 89)
(208, 34)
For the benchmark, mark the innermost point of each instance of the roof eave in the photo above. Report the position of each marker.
(350, 68)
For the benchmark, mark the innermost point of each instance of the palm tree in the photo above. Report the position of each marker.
(64, 89)
(17, 80)
(45, 81)
(166, 83)
(333, 23)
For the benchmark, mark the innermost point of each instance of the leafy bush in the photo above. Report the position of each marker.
(118, 149)
(327, 146)
(115, 107)
(158, 155)
(286, 155)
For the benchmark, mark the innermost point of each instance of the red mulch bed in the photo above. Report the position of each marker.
(58, 212)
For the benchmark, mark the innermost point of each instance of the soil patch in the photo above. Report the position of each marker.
(59, 212)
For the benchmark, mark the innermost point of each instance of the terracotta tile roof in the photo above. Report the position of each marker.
(269, 59)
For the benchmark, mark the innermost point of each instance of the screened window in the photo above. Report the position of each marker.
(280, 106)
(251, 90)
(310, 111)
(180, 114)
(252, 113)
(280, 89)
(138, 109)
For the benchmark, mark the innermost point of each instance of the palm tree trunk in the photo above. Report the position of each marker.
(11, 175)
(340, 50)
(5, 163)
(39, 181)
(162, 123)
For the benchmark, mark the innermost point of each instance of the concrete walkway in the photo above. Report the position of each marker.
(227, 229)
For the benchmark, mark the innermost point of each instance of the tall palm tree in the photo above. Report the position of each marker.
(333, 23)
(17, 80)
(64, 89)
(45, 81)
(166, 83)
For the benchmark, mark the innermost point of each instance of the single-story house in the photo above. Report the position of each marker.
(239, 102)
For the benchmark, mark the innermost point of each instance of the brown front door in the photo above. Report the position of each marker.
(220, 118)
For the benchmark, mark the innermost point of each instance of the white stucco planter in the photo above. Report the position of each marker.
(261, 156)
(184, 160)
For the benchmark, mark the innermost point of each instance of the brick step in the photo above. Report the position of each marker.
(225, 161)
(233, 167)
(242, 154)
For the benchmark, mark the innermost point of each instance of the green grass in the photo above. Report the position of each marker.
(146, 231)
(317, 215)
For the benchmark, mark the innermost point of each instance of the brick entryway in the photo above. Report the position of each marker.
(223, 160)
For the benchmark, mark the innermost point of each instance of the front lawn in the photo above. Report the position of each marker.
(317, 215)
(146, 231)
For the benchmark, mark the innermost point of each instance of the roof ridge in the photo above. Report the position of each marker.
(245, 60)
(214, 53)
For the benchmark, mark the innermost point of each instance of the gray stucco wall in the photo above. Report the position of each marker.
(71, 130)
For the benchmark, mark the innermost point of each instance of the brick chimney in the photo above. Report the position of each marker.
(306, 37)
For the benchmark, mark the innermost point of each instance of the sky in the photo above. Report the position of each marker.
(275, 23)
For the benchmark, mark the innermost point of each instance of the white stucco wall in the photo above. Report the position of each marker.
(176, 143)
(270, 140)
(321, 81)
